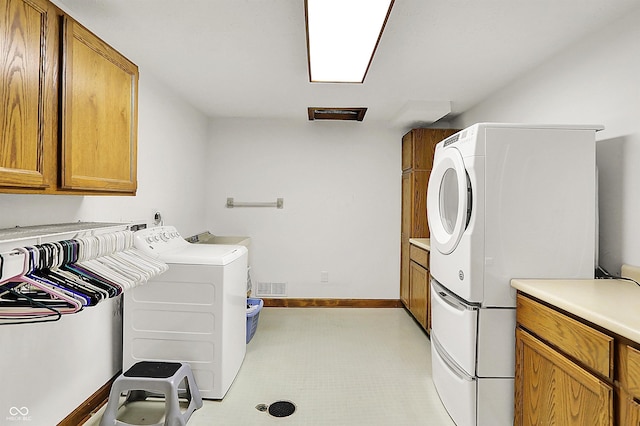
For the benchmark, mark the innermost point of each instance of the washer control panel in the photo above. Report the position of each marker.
(159, 239)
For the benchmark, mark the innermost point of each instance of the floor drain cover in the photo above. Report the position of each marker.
(282, 409)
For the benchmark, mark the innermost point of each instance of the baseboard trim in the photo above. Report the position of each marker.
(81, 414)
(332, 303)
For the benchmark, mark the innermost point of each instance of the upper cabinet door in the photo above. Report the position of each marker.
(28, 73)
(99, 114)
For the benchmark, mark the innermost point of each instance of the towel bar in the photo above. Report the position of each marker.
(279, 203)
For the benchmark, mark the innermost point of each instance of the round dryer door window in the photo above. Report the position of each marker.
(449, 202)
(447, 199)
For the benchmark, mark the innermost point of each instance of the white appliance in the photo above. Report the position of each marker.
(195, 312)
(504, 201)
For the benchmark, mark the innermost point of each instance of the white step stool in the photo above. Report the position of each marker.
(156, 377)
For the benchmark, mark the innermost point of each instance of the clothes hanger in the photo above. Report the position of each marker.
(117, 257)
(60, 271)
(73, 305)
(36, 272)
(68, 265)
(51, 257)
(19, 308)
(90, 257)
(61, 277)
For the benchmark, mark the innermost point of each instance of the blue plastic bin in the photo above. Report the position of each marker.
(254, 306)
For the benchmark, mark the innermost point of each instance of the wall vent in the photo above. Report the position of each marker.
(271, 289)
(345, 114)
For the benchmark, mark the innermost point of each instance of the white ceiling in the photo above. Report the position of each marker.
(247, 58)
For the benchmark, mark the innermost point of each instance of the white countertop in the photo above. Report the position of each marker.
(611, 304)
(424, 243)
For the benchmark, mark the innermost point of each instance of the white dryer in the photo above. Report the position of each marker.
(195, 312)
(504, 201)
(508, 201)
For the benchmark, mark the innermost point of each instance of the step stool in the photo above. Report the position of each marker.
(156, 377)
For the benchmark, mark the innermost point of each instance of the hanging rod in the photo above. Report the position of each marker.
(13, 260)
(279, 203)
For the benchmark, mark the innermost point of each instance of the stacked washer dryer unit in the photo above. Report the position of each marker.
(195, 312)
(504, 201)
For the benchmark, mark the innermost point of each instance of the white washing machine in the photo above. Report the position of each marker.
(504, 201)
(195, 312)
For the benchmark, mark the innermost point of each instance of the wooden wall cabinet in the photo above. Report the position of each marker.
(99, 114)
(571, 372)
(57, 78)
(418, 147)
(28, 93)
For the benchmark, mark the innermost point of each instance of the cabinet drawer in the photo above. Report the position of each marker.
(420, 256)
(632, 413)
(633, 371)
(587, 345)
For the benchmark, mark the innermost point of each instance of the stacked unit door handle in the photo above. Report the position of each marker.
(451, 300)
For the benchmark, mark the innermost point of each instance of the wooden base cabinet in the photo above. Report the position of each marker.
(572, 372)
(405, 263)
(551, 389)
(418, 288)
(629, 370)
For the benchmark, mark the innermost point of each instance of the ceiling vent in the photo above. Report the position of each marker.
(345, 114)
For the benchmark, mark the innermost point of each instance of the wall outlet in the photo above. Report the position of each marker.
(324, 276)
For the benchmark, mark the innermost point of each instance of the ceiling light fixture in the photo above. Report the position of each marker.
(342, 37)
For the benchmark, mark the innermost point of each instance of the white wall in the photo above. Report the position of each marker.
(52, 368)
(597, 81)
(172, 139)
(341, 188)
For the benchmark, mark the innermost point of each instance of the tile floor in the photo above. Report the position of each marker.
(339, 366)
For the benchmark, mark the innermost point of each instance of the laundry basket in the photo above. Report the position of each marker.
(254, 306)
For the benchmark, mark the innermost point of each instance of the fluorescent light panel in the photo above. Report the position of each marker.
(342, 36)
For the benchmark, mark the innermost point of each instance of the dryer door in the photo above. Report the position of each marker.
(448, 200)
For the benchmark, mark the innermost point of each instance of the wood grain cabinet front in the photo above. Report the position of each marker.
(404, 270)
(588, 346)
(629, 371)
(570, 371)
(99, 110)
(68, 119)
(418, 147)
(630, 412)
(418, 291)
(551, 389)
(28, 93)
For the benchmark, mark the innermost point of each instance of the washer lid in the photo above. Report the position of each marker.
(203, 254)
